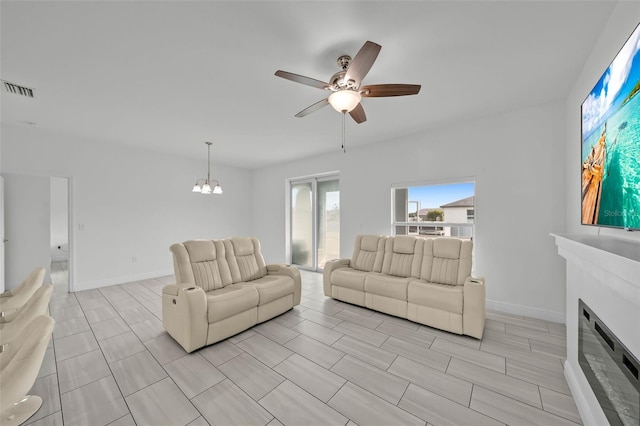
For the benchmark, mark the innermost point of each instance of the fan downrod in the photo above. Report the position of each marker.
(343, 62)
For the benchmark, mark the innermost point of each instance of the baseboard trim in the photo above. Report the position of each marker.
(526, 311)
(90, 285)
(584, 408)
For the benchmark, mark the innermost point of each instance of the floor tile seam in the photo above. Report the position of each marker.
(57, 373)
(376, 396)
(319, 341)
(390, 364)
(318, 323)
(534, 340)
(85, 384)
(143, 388)
(114, 335)
(114, 380)
(548, 373)
(318, 365)
(342, 356)
(444, 396)
(307, 392)
(501, 392)
(146, 387)
(207, 389)
(513, 358)
(255, 359)
(540, 385)
(528, 330)
(556, 414)
(246, 393)
(60, 393)
(331, 328)
(479, 412)
(526, 348)
(55, 360)
(538, 408)
(119, 418)
(233, 357)
(373, 366)
(451, 356)
(281, 344)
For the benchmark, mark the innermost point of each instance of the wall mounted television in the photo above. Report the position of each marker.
(611, 143)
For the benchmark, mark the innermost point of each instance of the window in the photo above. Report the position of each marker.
(441, 209)
(315, 221)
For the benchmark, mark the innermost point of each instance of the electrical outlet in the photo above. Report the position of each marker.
(134, 259)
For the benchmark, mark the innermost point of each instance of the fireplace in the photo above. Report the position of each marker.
(610, 369)
(604, 273)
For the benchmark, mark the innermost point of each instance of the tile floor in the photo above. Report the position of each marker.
(324, 362)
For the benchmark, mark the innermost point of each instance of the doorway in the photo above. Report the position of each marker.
(315, 221)
(37, 220)
(59, 236)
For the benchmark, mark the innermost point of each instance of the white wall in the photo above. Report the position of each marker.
(517, 160)
(621, 24)
(129, 205)
(26, 226)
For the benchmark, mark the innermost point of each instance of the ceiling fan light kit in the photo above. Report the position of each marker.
(346, 85)
(345, 100)
(206, 183)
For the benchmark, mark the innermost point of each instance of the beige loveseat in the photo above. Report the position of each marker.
(222, 288)
(426, 280)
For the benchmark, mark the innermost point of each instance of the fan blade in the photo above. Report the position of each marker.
(313, 107)
(358, 114)
(302, 79)
(384, 90)
(362, 62)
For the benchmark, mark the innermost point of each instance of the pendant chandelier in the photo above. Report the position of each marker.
(206, 186)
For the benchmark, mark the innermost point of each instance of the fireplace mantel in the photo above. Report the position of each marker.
(605, 273)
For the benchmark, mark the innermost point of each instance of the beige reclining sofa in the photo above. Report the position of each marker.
(426, 280)
(224, 287)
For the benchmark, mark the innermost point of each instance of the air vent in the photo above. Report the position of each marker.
(17, 89)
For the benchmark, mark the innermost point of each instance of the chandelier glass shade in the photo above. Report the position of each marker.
(345, 100)
(206, 183)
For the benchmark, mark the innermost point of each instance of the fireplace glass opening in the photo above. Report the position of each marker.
(612, 371)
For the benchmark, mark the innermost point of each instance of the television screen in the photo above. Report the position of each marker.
(611, 143)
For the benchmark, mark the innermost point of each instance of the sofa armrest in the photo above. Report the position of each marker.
(474, 307)
(290, 271)
(184, 315)
(329, 267)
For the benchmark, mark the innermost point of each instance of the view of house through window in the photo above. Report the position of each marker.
(443, 209)
(315, 221)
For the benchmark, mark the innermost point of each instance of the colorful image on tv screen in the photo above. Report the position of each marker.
(611, 143)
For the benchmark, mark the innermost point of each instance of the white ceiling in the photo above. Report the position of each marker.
(169, 75)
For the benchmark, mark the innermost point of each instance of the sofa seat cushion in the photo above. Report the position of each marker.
(349, 278)
(385, 285)
(440, 296)
(271, 287)
(230, 300)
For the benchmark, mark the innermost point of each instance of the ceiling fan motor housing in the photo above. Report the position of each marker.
(337, 80)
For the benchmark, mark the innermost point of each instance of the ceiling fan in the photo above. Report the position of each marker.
(345, 85)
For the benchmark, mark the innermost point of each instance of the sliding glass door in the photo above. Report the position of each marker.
(315, 221)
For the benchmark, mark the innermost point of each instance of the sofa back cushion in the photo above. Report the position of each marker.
(245, 259)
(446, 260)
(202, 263)
(368, 253)
(402, 256)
